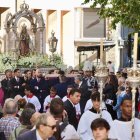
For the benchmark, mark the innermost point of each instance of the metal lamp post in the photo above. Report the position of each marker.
(52, 44)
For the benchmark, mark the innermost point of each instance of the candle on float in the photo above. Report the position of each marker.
(135, 50)
(101, 51)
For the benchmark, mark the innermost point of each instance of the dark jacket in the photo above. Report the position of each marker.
(110, 92)
(85, 95)
(61, 89)
(71, 111)
(30, 135)
(41, 90)
(7, 88)
(17, 87)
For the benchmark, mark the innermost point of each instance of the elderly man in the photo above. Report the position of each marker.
(9, 122)
(45, 128)
(25, 123)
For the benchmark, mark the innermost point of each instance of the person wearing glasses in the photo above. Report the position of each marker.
(45, 128)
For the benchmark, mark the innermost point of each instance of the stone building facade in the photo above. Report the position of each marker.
(66, 19)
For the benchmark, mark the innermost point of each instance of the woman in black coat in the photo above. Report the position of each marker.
(109, 92)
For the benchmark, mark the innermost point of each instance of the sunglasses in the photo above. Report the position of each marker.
(52, 127)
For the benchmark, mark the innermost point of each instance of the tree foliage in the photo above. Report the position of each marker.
(125, 11)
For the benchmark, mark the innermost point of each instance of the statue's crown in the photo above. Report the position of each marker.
(24, 6)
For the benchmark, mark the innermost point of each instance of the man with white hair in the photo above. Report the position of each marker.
(9, 122)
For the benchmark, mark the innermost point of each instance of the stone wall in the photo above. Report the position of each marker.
(110, 54)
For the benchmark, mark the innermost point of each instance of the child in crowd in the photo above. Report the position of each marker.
(48, 99)
(31, 98)
(21, 104)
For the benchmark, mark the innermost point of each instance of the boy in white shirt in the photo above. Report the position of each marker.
(31, 98)
(48, 99)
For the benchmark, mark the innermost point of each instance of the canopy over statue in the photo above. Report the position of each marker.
(21, 20)
(24, 41)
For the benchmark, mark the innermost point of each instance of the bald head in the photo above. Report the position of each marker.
(38, 73)
(46, 125)
(45, 119)
(10, 106)
(121, 81)
(34, 118)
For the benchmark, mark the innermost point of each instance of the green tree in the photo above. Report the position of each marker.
(124, 11)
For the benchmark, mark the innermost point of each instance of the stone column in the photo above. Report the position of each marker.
(44, 15)
(117, 47)
(77, 32)
(14, 48)
(34, 38)
(34, 30)
(7, 43)
(41, 29)
(14, 37)
(58, 33)
(78, 23)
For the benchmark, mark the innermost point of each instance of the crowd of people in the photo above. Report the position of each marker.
(61, 107)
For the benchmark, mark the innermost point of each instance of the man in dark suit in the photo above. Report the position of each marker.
(45, 128)
(61, 87)
(69, 105)
(27, 76)
(85, 93)
(17, 84)
(40, 87)
(6, 84)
